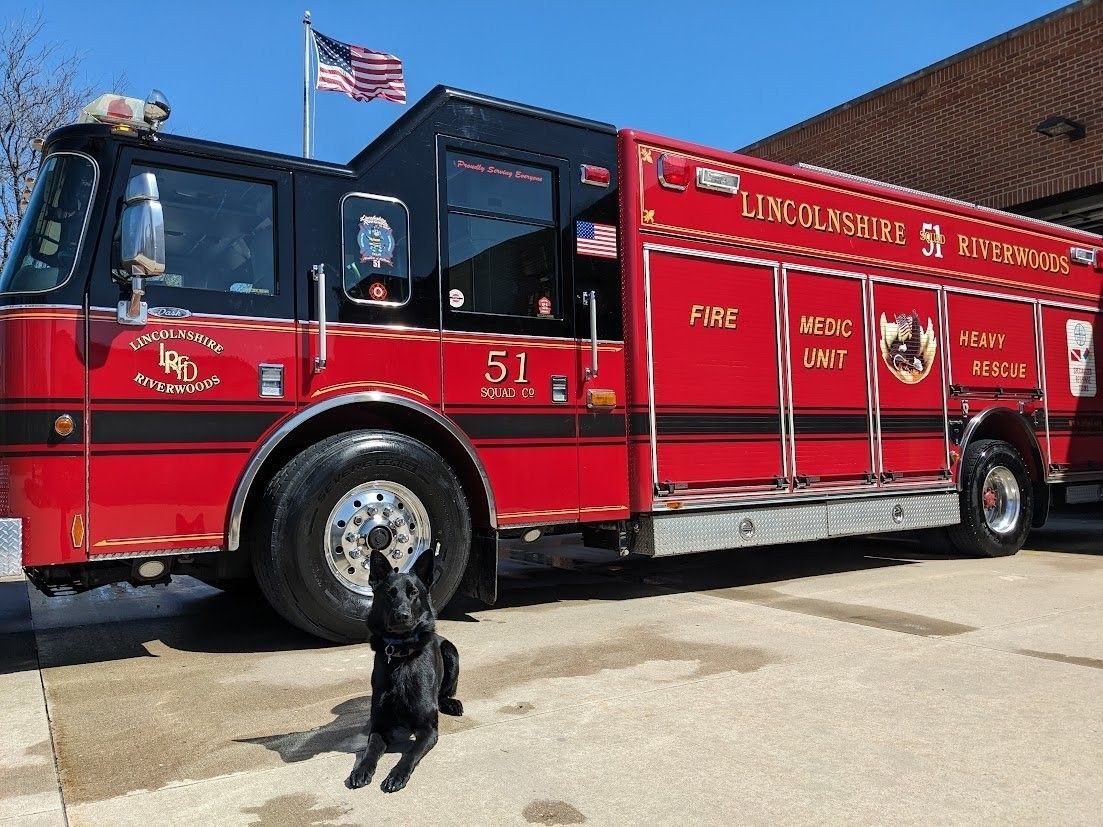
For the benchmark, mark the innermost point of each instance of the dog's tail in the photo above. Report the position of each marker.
(450, 679)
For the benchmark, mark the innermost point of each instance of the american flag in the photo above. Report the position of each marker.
(358, 72)
(596, 239)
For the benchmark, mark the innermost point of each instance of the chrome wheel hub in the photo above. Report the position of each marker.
(1001, 500)
(378, 516)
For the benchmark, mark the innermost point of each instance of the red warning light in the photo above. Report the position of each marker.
(674, 171)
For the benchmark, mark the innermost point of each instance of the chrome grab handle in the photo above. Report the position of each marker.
(318, 273)
(590, 298)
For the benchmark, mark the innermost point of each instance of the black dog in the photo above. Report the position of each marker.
(415, 673)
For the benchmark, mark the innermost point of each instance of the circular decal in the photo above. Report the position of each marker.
(543, 307)
(455, 298)
(907, 348)
(1079, 332)
(377, 291)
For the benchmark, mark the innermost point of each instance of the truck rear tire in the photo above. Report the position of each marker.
(997, 500)
(321, 515)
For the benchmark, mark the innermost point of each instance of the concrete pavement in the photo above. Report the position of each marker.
(858, 681)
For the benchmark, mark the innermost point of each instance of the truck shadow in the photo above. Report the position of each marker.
(122, 622)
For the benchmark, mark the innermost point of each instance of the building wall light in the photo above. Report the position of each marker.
(1057, 125)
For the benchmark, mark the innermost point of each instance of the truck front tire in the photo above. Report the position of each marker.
(321, 515)
(997, 500)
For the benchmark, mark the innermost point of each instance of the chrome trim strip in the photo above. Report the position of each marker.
(409, 263)
(1083, 308)
(871, 325)
(1040, 345)
(161, 552)
(7, 307)
(780, 357)
(241, 493)
(651, 418)
(84, 227)
(728, 501)
(987, 294)
(787, 405)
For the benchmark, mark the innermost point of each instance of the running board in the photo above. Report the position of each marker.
(662, 535)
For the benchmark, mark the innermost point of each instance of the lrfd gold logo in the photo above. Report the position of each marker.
(174, 364)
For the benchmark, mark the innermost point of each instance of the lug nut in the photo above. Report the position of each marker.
(354, 553)
(386, 512)
(357, 520)
(371, 510)
(350, 537)
(402, 538)
(366, 565)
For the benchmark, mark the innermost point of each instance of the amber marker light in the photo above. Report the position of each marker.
(601, 399)
(63, 425)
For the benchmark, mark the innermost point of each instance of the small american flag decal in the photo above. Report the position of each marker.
(595, 239)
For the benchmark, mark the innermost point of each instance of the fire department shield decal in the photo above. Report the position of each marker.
(907, 347)
(376, 241)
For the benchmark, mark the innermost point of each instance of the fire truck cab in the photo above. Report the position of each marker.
(498, 321)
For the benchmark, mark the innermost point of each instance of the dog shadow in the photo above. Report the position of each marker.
(347, 733)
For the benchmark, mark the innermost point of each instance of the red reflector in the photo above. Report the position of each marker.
(596, 176)
(674, 171)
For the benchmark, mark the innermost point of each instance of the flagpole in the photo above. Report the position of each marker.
(306, 84)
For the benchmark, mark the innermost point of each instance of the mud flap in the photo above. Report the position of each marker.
(480, 580)
(1042, 498)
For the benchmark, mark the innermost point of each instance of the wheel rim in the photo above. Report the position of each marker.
(380, 515)
(1001, 501)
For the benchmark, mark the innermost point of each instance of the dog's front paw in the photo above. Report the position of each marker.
(451, 706)
(395, 781)
(361, 776)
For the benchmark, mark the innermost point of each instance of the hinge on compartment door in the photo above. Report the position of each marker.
(805, 481)
(781, 483)
(945, 473)
(889, 476)
(871, 478)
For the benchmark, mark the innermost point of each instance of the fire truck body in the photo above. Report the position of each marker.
(498, 321)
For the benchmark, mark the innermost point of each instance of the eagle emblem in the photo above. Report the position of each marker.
(907, 347)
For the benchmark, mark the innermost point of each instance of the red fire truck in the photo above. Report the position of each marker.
(497, 322)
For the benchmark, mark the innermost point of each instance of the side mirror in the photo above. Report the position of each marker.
(141, 243)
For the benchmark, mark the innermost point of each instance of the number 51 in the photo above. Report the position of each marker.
(494, 363)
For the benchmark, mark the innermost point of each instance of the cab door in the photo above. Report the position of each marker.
(177, 403)
(513, 377)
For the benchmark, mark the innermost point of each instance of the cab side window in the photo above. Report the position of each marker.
(375, 246)
(219, 232)
(502, 237)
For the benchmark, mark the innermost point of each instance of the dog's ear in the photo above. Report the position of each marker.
(425, 567)
(379, 567)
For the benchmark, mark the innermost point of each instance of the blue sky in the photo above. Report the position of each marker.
(719, 73)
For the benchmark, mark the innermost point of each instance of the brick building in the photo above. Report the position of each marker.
(969, 126)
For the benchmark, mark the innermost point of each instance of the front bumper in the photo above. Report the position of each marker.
(11, 546)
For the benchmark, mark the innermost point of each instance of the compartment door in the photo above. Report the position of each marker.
(829, 379)
(909, 382)
(715, 379)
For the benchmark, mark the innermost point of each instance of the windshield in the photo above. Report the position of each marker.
(45, 250)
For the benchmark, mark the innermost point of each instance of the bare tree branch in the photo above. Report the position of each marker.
(40, 90)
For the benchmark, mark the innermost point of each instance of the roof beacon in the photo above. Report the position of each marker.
(128, 113)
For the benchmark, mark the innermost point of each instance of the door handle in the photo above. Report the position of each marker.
(318, 273)
(589, 298)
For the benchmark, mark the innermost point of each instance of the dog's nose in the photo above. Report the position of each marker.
(401, 614)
